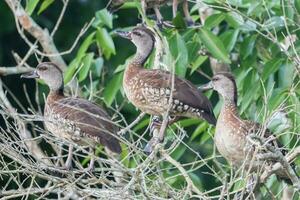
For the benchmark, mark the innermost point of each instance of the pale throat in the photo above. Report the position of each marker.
(56, 84)
(228, 96)
(142, 53)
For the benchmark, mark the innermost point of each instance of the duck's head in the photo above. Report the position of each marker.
(49, 73)
(141, 37)
(224, 84)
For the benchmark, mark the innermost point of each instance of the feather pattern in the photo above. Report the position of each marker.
(231, 136)
(150, 90)
(81, 121)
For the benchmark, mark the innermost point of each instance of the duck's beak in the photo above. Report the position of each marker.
(32, 74)
(124, 34)
(207, 86)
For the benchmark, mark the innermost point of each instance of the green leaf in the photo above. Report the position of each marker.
(112, 88)
(84, 71)
(277, 98)
(197, 63)
(178, 152)
(71, 70)
(105, 42)
(247, 46)
(200, 129)
(142, 124)
(214, 20)
(297, 5)
(229, 39)
(196, 180)
(129, 5)
(179, 21)
(248, 26)
(31, 5)
(85, 45)
(103, 17)
(180, 54)
(45, 5)
(249, 96)
(286, 70)
(97, 66)
(271, 67)
(235, 20)
(214, 45)
(274, 22)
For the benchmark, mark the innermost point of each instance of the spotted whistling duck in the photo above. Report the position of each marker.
(155, 5)
(75, 119)
(150, 89)
(231, 135)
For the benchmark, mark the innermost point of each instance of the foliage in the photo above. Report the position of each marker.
(257, 40)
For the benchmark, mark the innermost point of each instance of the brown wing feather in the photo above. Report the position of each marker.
(185, 91)
(90, 119)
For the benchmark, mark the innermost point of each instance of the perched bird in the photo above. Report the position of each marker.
(151, 89)
(75, 119)
(232, 132)
(155, 5)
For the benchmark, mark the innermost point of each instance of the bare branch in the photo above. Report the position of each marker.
(42, 35)
(4, 71)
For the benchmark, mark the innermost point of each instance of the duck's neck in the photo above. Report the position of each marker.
(55, 95)
(139, 58)
(229, 107)
(137, 62)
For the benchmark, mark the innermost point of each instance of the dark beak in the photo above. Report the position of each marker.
(205, 87)
(124, 34)
(32, 74)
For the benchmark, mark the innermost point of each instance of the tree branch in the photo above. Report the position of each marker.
(42, 35)
(4, 71)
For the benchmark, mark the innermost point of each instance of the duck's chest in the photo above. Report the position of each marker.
(229, 139)
(133, 88)
(145, 96)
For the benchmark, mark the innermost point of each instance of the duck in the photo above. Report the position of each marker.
(155, 5)
(72, 118)
(233, 134)
(157, 92)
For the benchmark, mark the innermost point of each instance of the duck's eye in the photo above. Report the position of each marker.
(215, 79)
(137, 33)
(42, 68)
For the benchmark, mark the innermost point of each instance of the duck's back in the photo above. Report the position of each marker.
(150, 91)
(82, 122)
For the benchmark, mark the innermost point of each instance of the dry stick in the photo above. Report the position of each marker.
(4, 71)
(294, 154)
(183, 172)
(32, 145)
(42, 35)
(282, 162)
(128, 128)
(58, 22)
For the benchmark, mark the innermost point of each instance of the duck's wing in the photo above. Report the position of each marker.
(91, 120)
(183, 91)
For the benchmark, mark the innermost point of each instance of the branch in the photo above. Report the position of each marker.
(32, 145)
(282, 162)
(4, 71)
(42, 35)
(190, 184)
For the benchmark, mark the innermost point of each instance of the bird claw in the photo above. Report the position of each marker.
(155, 124)
(190, 22)
(150, 146)
(164, 24)
(148, 149)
